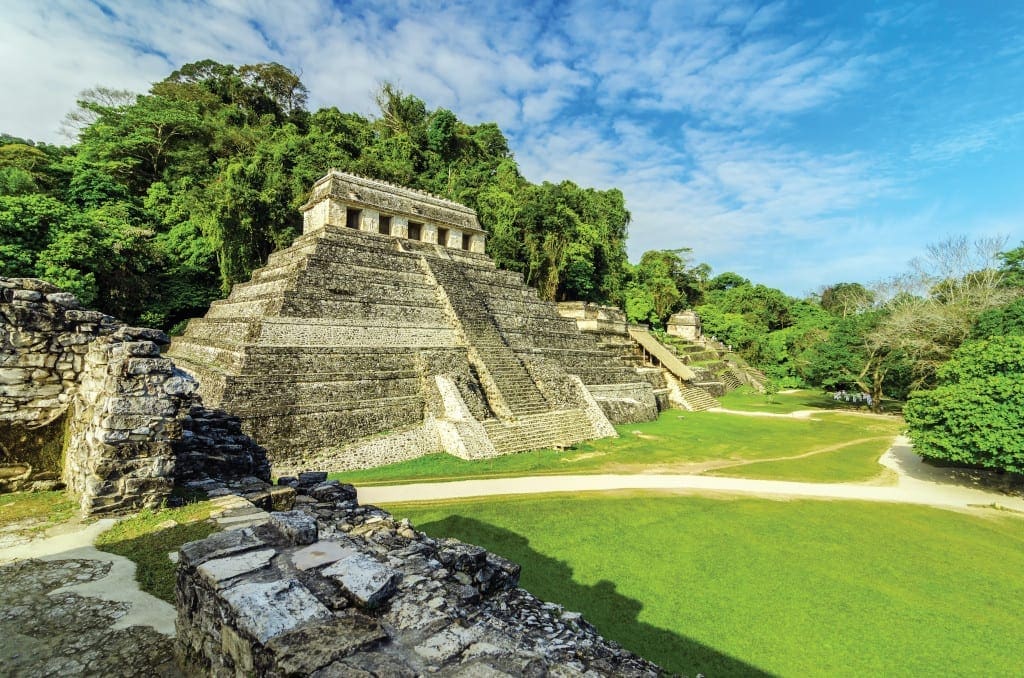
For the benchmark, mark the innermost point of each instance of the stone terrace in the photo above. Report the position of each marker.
(333, 588)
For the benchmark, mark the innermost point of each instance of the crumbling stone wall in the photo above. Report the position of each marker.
(91, 400)
(123, 420)
(333, 588)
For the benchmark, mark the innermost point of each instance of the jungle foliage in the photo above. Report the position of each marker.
(168, 198)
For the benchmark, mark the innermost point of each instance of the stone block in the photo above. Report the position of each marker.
(218, 571)
(322, 553)
(281, 497)
(266, 610)
(63, 299)
(218, 545)
(313, 646)
(27, 295)
(309, 478)
(367, 581)
(295, 526)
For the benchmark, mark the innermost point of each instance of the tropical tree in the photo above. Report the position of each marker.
(975, 413)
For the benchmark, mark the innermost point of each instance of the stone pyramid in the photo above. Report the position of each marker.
(385, 332)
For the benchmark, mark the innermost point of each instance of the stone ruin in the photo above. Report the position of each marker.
(89, 402)
(686, 325)
(686, 369)
(332, 588)
(385, 333)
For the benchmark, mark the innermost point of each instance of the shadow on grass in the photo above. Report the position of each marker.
(614, 615)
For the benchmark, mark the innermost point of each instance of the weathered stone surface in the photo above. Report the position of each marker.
(47, 632)
(218, 545)
(374, 597)
(295, 526)
(307, 649)
(269, 609)
(367, 581)
(321, 553)
(220, 570)
(78, 386)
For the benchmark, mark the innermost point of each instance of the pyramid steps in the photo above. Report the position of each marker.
(697, 399)
(559, 428)
(511, 378)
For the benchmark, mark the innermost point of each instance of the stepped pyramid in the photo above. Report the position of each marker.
(385, 332)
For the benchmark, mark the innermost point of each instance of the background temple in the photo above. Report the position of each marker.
(385, 333)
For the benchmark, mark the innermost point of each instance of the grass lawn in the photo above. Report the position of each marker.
(148, 536)
(676, 442)
(42, 508)
(750, 586)
(855, 462)
(748, 400)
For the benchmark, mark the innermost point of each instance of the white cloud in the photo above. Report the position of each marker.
(680, 104)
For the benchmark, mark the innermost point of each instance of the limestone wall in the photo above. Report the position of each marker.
(119, 400)
(122, 422)
(337, 589)
(92, 401)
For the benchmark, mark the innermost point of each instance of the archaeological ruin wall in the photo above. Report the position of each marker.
(332, 588)
(88, 402)
(385, 332)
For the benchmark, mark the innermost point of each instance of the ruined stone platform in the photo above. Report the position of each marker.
(333, 588)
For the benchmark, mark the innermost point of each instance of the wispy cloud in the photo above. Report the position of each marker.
(968, 139)
(696, 109)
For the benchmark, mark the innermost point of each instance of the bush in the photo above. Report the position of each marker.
(976, 413)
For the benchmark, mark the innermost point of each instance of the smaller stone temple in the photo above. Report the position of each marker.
(385, 332)
(686, 325)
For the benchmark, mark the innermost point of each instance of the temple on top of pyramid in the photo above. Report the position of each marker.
(384, 332)
(374, 206)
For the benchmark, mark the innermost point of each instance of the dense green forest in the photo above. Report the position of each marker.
(166, 199)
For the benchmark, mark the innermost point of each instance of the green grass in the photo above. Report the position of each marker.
(674, 443)
(745, 586)
(43, 508)
(746, 399)
(148, 536)
(855, 462)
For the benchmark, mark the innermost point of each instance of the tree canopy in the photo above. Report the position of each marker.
(168, 198)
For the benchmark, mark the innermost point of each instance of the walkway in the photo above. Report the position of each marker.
(68, 609)
(916, 484)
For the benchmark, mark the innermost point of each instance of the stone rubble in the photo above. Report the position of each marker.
(332, 588)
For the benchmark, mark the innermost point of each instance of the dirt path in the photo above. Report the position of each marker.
(796, 414)
(916, 484)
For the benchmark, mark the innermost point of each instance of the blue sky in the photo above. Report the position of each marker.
(796, 143)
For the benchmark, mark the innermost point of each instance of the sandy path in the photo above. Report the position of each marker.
(72, 541)
(916, 484)
(796, 414)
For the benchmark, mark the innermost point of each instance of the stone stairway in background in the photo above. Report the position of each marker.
(697, 399)
(507, 373)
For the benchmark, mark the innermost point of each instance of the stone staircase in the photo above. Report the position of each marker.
(697, 399)
(507, 373)
(554, 429)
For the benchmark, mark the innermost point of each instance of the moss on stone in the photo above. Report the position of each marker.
(40, 447)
